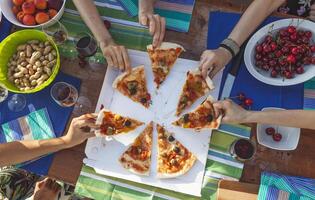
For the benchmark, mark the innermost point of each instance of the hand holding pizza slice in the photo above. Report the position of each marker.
(163, 58)
(114, 124)
(195, 87)
(202, 117)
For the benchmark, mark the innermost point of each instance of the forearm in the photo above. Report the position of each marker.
(146, 5)
(92, 19)
(291, 118)
(21, 151)
(254, 15)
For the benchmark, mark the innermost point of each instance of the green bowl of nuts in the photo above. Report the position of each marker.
(29, 61)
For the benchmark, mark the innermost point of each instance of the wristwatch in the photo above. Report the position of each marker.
(231, 46)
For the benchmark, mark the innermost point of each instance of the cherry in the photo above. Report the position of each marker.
(270, 131)
(268, 38)
(285, 49)
(294, 50)
(291, 29)
(248, 102)
(283, 32)
(299, 70)
(258, 56)
(277, 137)
(307, 61)
(241, 96)
(301, 33)
(259, 48)
(273, 46)
(107, 24)
(305, 40)
(266, 48)
(266, 67)
(313, 48)
(308, 34)
(293, 37)
(288, 74)
(265, 60)
(278, 54)
(291, 59)
(274, 74)
(272, 63)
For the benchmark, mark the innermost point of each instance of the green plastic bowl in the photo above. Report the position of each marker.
(8, 48)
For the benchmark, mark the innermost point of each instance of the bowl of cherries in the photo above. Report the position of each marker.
(282, 53)
(278, 137)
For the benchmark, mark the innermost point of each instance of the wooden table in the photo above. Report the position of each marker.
(230, 190)
(301, 162)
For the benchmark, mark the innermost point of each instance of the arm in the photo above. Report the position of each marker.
(28, 150)
(116, 56)
(233, 113)
(257, 12)
(155, 22)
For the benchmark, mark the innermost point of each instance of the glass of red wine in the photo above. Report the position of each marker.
(64, 94)
(242, 149)
(3, 93)
(86, 46)
(57, 32)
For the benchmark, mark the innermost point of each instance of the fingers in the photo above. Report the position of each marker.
(218, 109)
(312, 14)
(143, 20)
(126, 59)
(163, 26)
(119, 56)
(152, 24)
(206, 67)
(156, 36)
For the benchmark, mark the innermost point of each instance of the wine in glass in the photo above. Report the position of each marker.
(57, 32)
(242, 149)
(86, 46)
(64, 94)
(3, 93)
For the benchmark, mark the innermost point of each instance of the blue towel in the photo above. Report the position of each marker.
(290, 97)
(5, 28)
(59, 117)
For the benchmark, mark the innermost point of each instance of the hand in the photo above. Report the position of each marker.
(312, 13)
(212, 61)
(80, 130)
(116, 56)
(156, 25)
(46, 189)
(232, 113)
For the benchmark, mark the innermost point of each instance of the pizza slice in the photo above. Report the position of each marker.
(134, 86)
(114, 124)
(163, 59)
(173, 158)
(137, 158)
(195, 87)
(202, 117)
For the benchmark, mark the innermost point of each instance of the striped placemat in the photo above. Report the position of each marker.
(309, 95)
(177, 13)
(219, 165)
(281, 187)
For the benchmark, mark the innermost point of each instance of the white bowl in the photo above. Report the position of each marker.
(6, 7)
(290, 135)
(264, 76)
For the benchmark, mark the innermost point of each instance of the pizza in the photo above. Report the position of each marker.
(195, 87)
(134, 86)
(163, 59)
(202, 117)
(173, 158)
(114, 124)
(137, 158)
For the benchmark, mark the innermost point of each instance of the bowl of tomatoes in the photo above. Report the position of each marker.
(33, 13)
(282, 53)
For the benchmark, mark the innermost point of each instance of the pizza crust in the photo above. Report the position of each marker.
(99, 121)
(125, 165)
(208, 79)
(122, 76)
(166, 45)
(188, 165)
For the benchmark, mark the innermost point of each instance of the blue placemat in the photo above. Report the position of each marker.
(5, 27)
(59, 117)
(291, 97)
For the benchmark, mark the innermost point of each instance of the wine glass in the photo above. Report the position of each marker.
(3, 93)
(86, 46)
(17, 102)
(64, 94)
(242, 149)
(57, 32)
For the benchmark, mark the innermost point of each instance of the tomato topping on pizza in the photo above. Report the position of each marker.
(202, 117)
(163, 59)
(137, 158)
(114, 124)
(173, 158)
(195, 87)
(134, 86)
